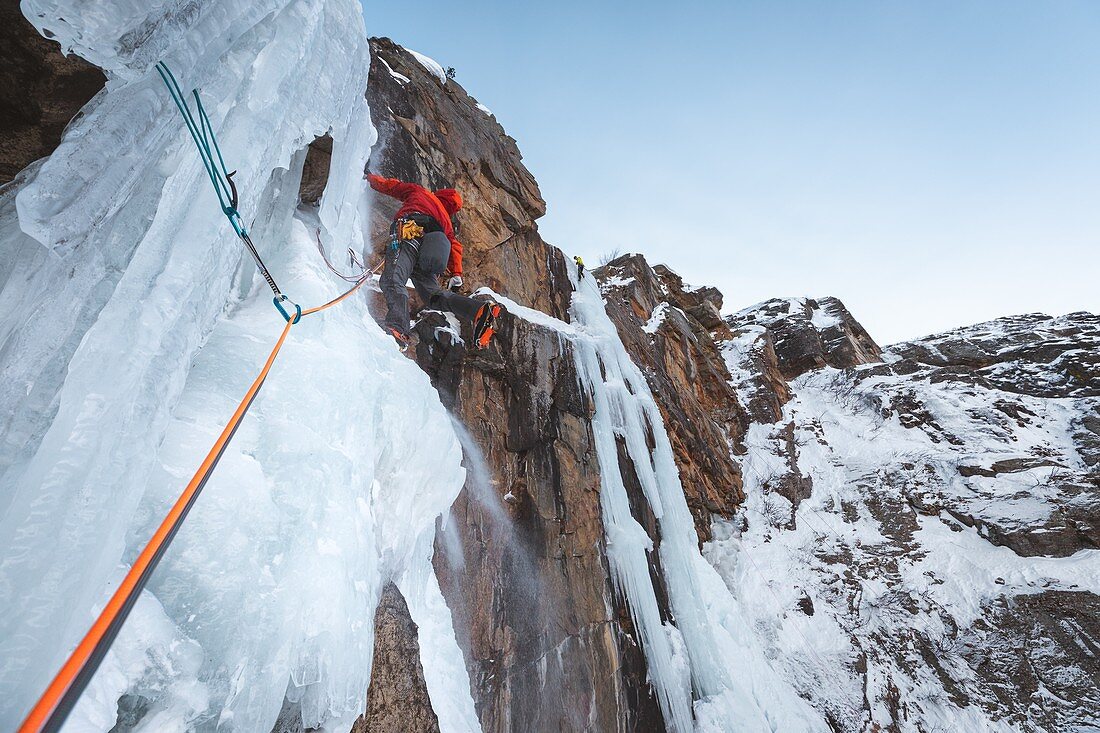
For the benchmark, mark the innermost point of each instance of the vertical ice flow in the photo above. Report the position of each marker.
(133, 329)
(726, 679)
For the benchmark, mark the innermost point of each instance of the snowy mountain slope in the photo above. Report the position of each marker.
(917, 550)
(942, 570)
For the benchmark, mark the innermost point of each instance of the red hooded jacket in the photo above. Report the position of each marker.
(441, 205)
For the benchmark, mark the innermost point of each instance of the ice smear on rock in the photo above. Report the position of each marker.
(400, 78)
(136, 326)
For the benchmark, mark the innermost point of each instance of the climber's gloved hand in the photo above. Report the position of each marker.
(454, 283)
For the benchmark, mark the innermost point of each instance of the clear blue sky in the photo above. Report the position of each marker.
(932, 163)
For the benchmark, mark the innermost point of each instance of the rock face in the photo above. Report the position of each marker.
(1028, 649)
(41, 90)
(435, 135)
(315, 170)
(810, 334)
(397, 701)
(526, 577)
(521, 560)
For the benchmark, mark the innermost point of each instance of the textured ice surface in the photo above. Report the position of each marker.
(135, 326)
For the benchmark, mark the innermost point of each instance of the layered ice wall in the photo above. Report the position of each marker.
(133, 328)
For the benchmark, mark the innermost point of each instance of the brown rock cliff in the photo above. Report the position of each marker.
(41, 90)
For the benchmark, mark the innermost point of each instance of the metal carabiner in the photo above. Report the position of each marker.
(278, 301)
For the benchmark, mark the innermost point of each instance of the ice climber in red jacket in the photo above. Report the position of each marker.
(423, 246)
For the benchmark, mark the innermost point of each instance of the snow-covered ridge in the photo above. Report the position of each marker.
(999, 333)
(1033, 354)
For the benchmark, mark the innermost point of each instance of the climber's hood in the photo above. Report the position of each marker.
(450, 198)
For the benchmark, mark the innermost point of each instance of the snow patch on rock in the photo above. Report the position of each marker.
(433, 66)
(656, 318)
(401, 78)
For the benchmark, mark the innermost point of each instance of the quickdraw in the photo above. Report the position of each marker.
(202, 132)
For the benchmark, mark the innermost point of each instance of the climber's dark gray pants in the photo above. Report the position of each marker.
(424, 265)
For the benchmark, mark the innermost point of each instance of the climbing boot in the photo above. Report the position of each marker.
(401, 339)
(485, 323)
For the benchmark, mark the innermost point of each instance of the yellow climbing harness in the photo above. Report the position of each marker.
(408, 229)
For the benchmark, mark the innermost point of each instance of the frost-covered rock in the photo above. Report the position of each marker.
(809, 334)
(948, 545)
(1032, 354)
(1015, 403)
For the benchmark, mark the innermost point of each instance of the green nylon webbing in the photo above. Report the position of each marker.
(202, 132)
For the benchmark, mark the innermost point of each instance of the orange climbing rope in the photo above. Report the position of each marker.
(58, 700)
(334, 301)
